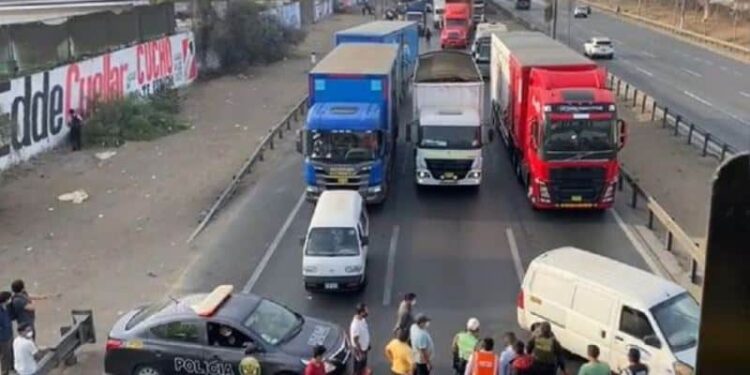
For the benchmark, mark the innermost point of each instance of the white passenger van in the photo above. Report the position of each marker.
(335, 248)
(590, 299)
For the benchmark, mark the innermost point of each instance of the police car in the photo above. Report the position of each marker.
(221, 333)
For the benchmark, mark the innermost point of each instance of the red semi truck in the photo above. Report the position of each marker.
(456, 25)
(558, 119)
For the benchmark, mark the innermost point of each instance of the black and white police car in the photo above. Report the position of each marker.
(216, 333)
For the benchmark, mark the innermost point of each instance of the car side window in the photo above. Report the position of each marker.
(226, 336)
(178, 331)
(635, 323)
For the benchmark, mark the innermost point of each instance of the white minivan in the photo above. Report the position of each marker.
(590, 299)
(335, 247)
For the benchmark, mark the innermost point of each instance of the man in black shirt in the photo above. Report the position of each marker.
(76, 125)
(635, 367)
(23, 310)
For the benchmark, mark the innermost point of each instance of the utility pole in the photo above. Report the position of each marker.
(554, 19)
(570, 18)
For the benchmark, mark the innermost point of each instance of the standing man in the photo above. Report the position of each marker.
(360, 334)
(547, 351)
(464, 344)
(316, 365)
(422, 346)
(635, 367)
(398, 353)
(405, 317)
(508, 353)
(76, 125)
(594, 367)
(6, 335)
(484, 361)
(427, 35)
(25, 352)
(21, 304)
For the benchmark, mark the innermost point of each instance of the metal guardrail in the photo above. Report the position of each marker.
(80, 333)
(708, 143)
(731, 47)
(257, 155)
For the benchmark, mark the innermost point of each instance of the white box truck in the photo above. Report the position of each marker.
(438, 8)
(448, 108)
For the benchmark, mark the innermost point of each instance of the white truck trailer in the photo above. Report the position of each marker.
(448, 106)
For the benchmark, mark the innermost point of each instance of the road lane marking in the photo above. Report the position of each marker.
(698, 98)
(619, 42)
(744, 94)
(648, 54)
(692, 73)
(724, 68)
(596, 31)
(514, 252)
(645, 254)
(390, 270)
(644, 71)
(273, 246)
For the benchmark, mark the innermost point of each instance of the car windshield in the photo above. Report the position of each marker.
(451, 137)
(332, 242)
(343, 147)
(274, 323)
(678, 320)
(594, 137)
(603, 43)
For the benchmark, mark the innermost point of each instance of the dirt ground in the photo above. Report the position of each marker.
(126, 244)
(719, 25)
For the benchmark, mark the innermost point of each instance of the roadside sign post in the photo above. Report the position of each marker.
(725, 307)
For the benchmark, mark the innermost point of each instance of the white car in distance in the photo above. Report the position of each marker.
(599, 47)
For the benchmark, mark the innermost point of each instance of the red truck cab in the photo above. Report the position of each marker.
(559, 121)
(456, 26)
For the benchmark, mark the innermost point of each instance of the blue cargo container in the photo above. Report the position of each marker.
(405, 34)
(349, 136)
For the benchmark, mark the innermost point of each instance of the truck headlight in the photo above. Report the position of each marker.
(474, 175)
(609, 193)
(313, 189)
(310, 269)
(681, 368)
(353, 269)
(423, 174)
(374, 189)
(543, 191)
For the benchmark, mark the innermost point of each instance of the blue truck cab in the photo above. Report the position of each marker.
(404, 34)
(352, 124)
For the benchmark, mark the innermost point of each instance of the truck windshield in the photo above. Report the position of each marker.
(343, 147)
(455, 23)
(449, 137)
(332, 242)
(678, 319)
(484, 51)
(579, 139)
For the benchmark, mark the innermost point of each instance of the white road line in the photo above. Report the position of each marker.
(272, 247)
(698, 98)
(692, 73)
(648, 54)
(390, 270)
(596, 32)
(744, 94)
(514, 252)
(645, 254)
(619, 42)
(644, 71)
(724, 68)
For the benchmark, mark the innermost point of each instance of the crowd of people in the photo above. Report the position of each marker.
(411, 350)
(21, 353)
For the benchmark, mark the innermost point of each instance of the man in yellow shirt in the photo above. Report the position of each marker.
(399, 355)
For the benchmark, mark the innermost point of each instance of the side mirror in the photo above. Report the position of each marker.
(622, 132)
(410, 128)
(302, 241)
(534, 132)
(490, 134)
(251, 348)
(299, 141)
(365, 241)
(653, 341)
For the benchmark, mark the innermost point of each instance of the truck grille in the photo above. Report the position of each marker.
(342, 176)
(443, 168)
(454, 36)
(576, 184)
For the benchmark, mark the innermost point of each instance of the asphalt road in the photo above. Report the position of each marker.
(705, 87)
(453, 248)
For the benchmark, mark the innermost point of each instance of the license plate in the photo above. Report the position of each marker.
(450, 175)
(341, 172)
(342, 180)
(331, 286)
(576, 198)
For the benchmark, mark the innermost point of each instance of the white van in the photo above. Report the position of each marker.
(335, 247)
(590, 299)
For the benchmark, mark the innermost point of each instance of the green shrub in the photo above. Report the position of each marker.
(133, 118)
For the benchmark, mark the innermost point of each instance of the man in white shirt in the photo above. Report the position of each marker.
(360, 335)
(25, 351)
(508, 353)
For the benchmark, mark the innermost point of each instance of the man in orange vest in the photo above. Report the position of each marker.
(484, 361)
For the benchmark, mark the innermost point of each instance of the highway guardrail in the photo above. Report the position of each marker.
(710, 146)
(687, 34)
(277, 131)
(80, 333)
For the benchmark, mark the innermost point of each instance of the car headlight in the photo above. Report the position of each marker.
(353, 269)
(374, 189)
(681, 368)
(310, 269)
